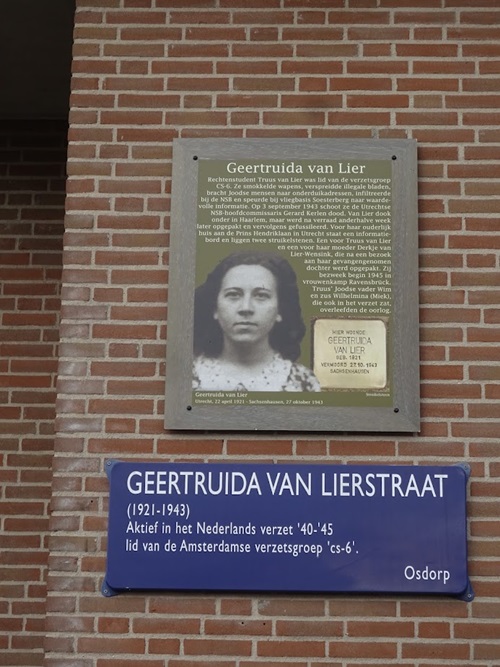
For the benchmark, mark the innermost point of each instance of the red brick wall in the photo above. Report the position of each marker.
(146, 71)
(32, 182)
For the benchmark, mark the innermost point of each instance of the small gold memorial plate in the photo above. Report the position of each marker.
(350, 353)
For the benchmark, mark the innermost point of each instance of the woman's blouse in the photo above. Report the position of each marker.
(279, 375)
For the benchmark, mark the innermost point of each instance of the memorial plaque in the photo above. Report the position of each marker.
(315, 528)
(293, 293)
(350, 354)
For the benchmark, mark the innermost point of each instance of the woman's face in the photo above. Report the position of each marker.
(247, 304)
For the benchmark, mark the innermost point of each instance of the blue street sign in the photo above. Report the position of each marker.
(316, 528)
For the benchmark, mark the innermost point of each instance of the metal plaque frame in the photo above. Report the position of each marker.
(356, 398)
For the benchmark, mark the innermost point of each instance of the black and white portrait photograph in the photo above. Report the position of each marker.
(248, 327)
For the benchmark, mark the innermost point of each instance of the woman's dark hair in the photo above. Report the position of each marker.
(285, 336)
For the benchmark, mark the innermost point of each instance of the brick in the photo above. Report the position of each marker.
(475, 279)
(344, 118)
(356, 650)
(127, 257)
(110, 662)
(312, 83)
(377, 33)
(436, 650)
(269, 448)
(311, 448)
(352, 17)
(427, 83)
(474, 429)
(184, 447)
(193, 662)
(480, 153)
(263, 83)
(122, 645)
(250, 101)
(222, 647)
(479, 17)
(311, 67)
(291, 607)
(316, 628)
(489, 67)
(356, 448)
(182, 605)
(153, 34)
(237, 627)
(361, 83)
(380, 628)
(434, 630)
(246, 67)
(136, 17)
(312, 34)
(236, 606)
(198, 51)
(185, 17)
(162, 626)
(485, 651)
(124, 331)
(115, 406)
(378, 101)
(318, 101)
(267, 34)
(422, 17)
(294, 118)
(294, 649)
(209, 33)
(197, 118)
